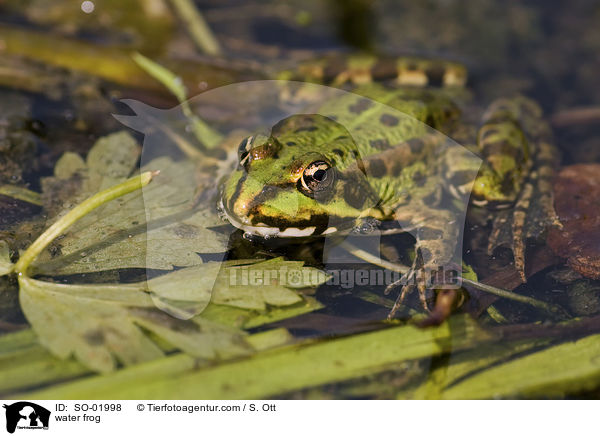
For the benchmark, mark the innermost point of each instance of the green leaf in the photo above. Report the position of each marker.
(99, 324)
(256, 286)
(6, 266)
(462, 365)
(156, 228)
(279, 371)
(201, 338)
(70, 321)
(263, 284)
(554, 372)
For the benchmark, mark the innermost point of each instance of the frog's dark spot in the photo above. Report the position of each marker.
(339, 152)
(331, 70)
(186, 231)
(353, 195)
(134, 223)
(416, 145)
(379, 144)
(359, 107)
(389, 120)
(306, 129)
(435, 75)
(384, 69)
(332, 117)
(431, 199)
(426, 255)
(339, 138)
(503, 148)
(397, 168)
(460, 178)
(411, 66)
(428, 233)
(94, 337)
(419, 178)
(238, 190)
(377, 168)
(267, 193)
(301, 122)
(290, 143)
(487, 133)
(501, 116)
(430, 120)
(359, 162)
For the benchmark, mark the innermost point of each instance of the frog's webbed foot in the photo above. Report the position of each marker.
(408, 282)
(431, 269)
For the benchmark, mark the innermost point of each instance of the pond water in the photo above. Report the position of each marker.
(186, 274)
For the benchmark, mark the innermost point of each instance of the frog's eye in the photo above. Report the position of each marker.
(317, 177)
(244, 150)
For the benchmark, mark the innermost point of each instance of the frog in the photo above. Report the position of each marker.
(310, 177)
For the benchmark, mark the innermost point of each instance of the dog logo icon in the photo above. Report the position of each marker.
(26, 415)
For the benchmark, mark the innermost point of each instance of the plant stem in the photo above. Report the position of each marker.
(82, 209)
(21, 194)
(550, 309)
(197, 27)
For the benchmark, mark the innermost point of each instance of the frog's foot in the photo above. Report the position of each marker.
(414, 278)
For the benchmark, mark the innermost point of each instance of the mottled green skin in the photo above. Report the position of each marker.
(383, 163)
(380, 157)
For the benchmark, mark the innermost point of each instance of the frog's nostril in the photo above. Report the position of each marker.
(269, 190)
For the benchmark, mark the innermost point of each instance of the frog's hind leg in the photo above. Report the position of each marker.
(516, 175)
(436, 241)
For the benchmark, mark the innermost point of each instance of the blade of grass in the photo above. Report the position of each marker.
(197, 27)
(275, 372)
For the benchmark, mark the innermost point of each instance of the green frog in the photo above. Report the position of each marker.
(375, 158)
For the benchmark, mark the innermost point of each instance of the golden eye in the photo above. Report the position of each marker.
(318, 176)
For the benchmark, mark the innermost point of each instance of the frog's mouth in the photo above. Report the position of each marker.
(266, 231)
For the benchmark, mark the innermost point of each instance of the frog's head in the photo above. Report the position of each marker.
(303, 180)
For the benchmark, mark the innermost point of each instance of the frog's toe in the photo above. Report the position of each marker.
(415, 278)
(406, 289)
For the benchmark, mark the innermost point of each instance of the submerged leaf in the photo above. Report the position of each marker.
(265, 284)
(100, 324)
(68, 320)
(158, 229)
(6, 266)
(255, 286)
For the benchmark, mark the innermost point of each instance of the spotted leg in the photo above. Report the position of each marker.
(516, 176)
(436, 233)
